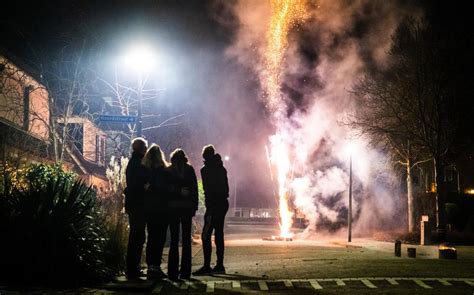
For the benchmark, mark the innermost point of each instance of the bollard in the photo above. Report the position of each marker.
(425, 231)
(447, 252)
(411, 252)
(398, 248)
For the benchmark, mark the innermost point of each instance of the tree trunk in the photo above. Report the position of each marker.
(411, 205)
(440, 194)
(52, 129)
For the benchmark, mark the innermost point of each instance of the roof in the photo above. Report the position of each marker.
(81, 120)
(83, 165)
(22, 65)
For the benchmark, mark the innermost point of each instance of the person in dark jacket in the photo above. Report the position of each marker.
(182, 206)
(158, 189)
(216, 192)
(134, 207)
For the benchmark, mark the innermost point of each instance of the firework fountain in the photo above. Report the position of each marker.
(307, 152)
(285, 15)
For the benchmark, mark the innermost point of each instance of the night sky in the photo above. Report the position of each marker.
(217, 95)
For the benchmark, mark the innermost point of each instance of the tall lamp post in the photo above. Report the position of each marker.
(234, 201)
(139, 111)
(349, 218)
(350, 150)
(141, 59)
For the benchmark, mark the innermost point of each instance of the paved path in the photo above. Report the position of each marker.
(334, 284)
(322, 266)
(363, 285)
(325, 266)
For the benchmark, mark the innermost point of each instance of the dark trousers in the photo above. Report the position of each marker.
(136, 239)
(177, 219)
(214, 221)
(156, 228)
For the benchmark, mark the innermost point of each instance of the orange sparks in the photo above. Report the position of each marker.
(285, 14)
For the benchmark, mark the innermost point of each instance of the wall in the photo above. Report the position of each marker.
(92, 150)
(39, 114)
(24, 102)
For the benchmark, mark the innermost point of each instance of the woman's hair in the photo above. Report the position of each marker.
(178, 156)
(208, 151)
(154, 157)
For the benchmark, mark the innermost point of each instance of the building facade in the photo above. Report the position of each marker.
(26, 133)
(24, 115)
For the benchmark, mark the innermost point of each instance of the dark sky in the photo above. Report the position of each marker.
(218, 97)
(45, 20)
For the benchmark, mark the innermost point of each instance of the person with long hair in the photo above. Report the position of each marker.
(158, 189)
(182, 206)
(216, 192)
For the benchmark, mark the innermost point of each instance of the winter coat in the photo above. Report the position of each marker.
(215, 183)
(187, 180)
(158, 192)
(136, 179)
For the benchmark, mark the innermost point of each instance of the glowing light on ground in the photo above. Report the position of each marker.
(280, 158)
(285, 14)
(469, 191)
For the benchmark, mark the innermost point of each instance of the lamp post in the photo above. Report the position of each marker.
(349, 218)
(139, 111)
(349, 149)
(234, 199)
(141, 59)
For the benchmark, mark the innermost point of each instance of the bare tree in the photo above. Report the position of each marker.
(69, 77)
(379, 115)
(123, 100)
(414, 107)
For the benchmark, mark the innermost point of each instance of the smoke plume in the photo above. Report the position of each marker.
(325, 56)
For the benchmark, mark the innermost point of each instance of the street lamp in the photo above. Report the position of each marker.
(350, 150)
(227, 159)
(141, 59)
(349, 238)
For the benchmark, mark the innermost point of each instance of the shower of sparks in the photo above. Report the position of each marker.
(285, 15)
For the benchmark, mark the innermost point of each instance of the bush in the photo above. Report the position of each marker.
(52, 230)
(16, 178)
(40, 174)
(112, 204)
(116, 226)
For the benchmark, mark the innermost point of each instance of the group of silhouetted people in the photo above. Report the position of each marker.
(159, 196)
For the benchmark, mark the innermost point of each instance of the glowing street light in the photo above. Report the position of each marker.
(226, 158)
(141, 59)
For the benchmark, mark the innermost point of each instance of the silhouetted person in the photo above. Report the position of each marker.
(134, 206)
(158, 189)
(216, 192)
(182, 206)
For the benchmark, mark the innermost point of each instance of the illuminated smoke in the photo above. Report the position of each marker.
(308, 55)
(284, 15)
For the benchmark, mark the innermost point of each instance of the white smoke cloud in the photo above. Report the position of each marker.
(313, 130)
